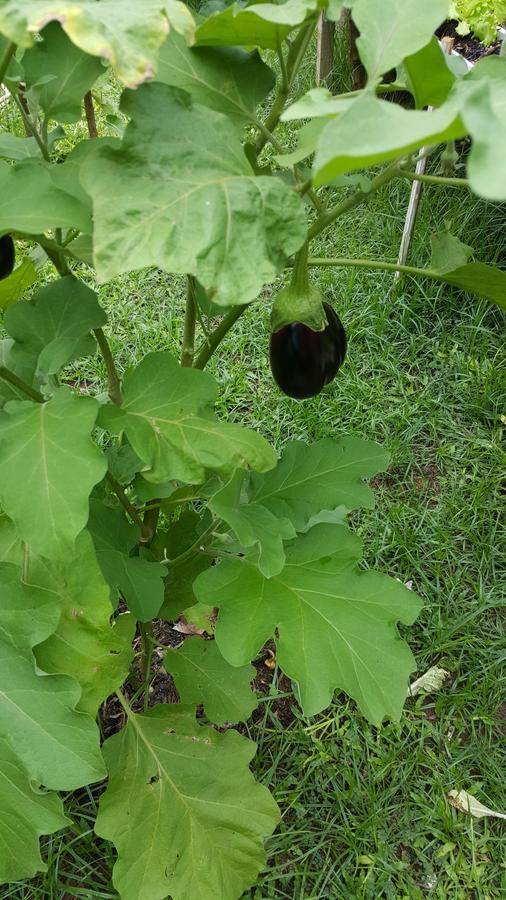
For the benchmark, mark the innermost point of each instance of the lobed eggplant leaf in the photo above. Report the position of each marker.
(58, 745)
(54, 326)
(73, 73)
(228, 80)
(26, 812)
(50, 443)
(168, 419)
(335, 626)
(390, 30)
(183, 809)
(126, 33)
(202, 675)
(137, 580)
(258, 25)
(193, 204)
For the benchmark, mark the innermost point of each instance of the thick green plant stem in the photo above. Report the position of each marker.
(5, 60)
(125, 502)
(436, 179)
(215, 337)
(330, 215)
(190, 321)
(318, 262)
(13, 379)
(146, 629)
(113, 379)
(150, 522)
(289, 71)
(31, 128)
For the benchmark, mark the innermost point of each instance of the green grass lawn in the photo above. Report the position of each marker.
(365, 811)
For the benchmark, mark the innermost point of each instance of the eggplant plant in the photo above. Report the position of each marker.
(137, 504)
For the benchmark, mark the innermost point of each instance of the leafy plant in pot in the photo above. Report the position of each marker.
(146, 496)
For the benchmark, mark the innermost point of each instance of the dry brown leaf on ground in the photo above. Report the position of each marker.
(465, 802)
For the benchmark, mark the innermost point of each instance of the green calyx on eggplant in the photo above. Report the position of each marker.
(308, 341)
(7, 255)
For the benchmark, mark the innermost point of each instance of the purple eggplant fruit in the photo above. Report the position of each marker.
(303, 361)
(7, 255)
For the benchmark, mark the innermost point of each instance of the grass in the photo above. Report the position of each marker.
(365, 811)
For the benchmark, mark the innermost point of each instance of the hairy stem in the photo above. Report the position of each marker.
(216, 336)
(5, 59)
(435, 179)
(150, 522)
(17, 382)
(193, 550)
(146, 629)
(330, 215)
(190, 321)
(289, 71)
(113, 379)
(125, 502)
(89, 110)
(317, 261)
(30, 127)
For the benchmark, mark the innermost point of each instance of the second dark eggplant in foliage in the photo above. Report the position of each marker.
(303, 361)
(7, 255)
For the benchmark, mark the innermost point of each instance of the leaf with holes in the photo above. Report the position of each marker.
(192, 821)
(202, 675)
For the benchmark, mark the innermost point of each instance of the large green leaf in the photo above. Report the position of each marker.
(74, 73)
(180, 537)
(53, 327)
(428, 76)
(202, 675)
(320, 476)
(84, 644)
(26, 812)
(139, 581)
(258, 25)
(18, 148)
(484, 114)
(30, 201)
(128, 34)
(317, 102)
(50, 444)
(390, 30)
(448, 252)
(372, 131)
(486, 281)
(183, 809)
(191, 200)
(335, 625)
(58, 746)
(14, 286)
(168, 419)
(253, 524)
(22, 369)
(226, 79)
